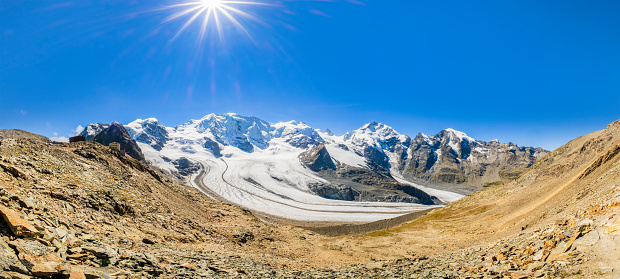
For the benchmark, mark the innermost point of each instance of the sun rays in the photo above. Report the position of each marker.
(208, 12)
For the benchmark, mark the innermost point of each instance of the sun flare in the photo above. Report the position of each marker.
(211, 11)
(212, 3)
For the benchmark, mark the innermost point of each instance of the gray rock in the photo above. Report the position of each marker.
(606, 269)
(107, 254)
(8, 259)
(587, 240)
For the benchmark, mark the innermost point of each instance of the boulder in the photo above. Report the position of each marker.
(78, 274)
(106, 254)
(8, 259)
(36, 256)
(19, 226)
(46, 269)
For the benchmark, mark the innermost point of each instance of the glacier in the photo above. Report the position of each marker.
(255, 164)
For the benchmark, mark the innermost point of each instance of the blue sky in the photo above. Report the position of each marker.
(535, 73)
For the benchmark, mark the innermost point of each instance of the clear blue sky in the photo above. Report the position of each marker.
(532, 72)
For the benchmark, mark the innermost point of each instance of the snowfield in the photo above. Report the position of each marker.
(257, 165)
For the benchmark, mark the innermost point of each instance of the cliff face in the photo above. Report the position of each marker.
(117, 133)
(317, 159)
(450, 157)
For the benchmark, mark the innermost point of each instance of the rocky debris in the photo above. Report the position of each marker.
(13, 275)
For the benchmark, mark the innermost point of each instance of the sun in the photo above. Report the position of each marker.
(211, 11)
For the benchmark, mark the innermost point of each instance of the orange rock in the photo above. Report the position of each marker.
(77, 275)
(188, 266)
(45, 269)
(19, 226)
(550, 245)
(613, 229)
(501, 256)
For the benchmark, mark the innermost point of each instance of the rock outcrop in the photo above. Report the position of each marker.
(317, 159)
(117, 133)
(453, 157)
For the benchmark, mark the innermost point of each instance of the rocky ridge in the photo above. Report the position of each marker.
(21, 134)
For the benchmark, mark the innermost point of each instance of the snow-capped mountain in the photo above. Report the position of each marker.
(149, 131)
(290, 168)
(93, 129)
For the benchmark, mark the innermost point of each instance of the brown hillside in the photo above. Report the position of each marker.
(21, 135)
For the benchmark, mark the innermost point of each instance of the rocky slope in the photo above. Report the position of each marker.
(21, 134)
(82, 209)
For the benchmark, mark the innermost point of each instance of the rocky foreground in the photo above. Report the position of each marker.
(84, 211)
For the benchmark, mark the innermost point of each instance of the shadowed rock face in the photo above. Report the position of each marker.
(448, 158)
(213, 146)
(318, 159)
(117, 133)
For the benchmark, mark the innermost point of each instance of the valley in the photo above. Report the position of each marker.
(100, 213)
(359, 179)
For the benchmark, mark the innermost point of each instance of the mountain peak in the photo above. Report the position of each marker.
(371, 126)
(460, 135)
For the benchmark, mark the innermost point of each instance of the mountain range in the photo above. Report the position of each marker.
(276, 168)
(83, 210)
